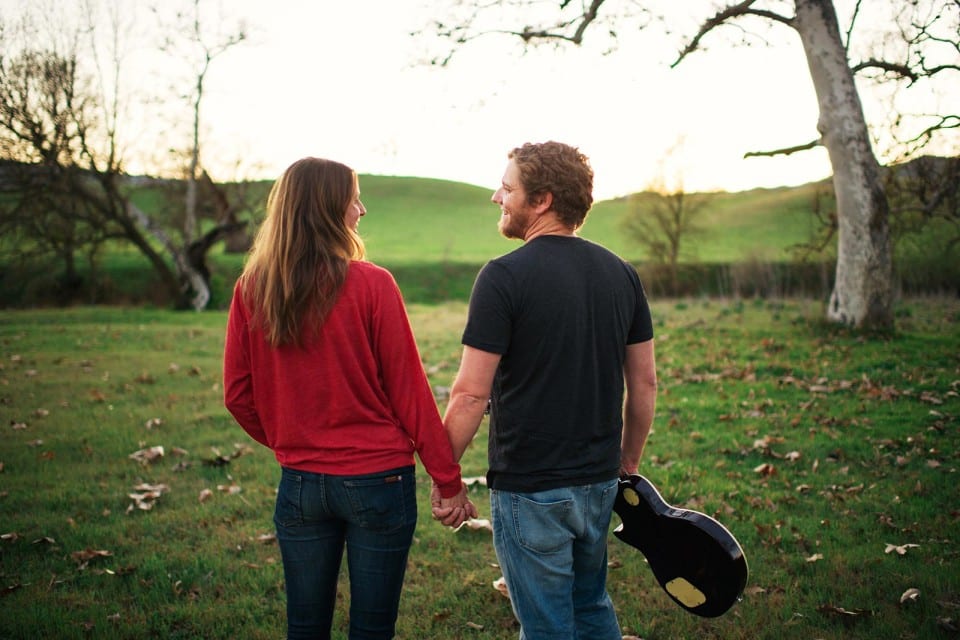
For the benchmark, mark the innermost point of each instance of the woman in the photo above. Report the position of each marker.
(321, 366)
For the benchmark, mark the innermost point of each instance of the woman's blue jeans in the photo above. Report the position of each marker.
(373, 517)
(552, 548)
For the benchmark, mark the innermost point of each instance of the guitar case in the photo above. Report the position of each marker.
(694, 558)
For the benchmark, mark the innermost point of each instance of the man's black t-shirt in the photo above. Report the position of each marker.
(560, 310)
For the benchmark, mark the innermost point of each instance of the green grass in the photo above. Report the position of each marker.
(816, 446)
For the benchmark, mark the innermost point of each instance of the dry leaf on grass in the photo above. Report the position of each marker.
(840, 611)
(84, 557)
(901, 549)
(147, 496)
(148, 455)
(476, 524)
(910, 595)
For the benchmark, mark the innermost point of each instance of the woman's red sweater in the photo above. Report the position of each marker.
(354, 401)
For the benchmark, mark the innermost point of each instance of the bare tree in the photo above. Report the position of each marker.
(662, 218)
(62, 113)
(925, 50)
(190, 38)
(61, 190)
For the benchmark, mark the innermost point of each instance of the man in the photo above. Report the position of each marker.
(559, 340)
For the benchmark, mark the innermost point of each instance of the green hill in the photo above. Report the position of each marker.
(415, 220)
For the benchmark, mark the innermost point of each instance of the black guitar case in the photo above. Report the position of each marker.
(696, 560)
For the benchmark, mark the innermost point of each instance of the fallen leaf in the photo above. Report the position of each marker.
(148, 455)
(910, 595)
(88, 554)
(205, 495)
(476, 524)
(159, 488)
(900, 549)
(814, 557)
(840, 611)
(766, 469)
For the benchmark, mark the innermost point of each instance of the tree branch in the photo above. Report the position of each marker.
(901, 70)
(731, 12)
(577, 38)
(786, 151)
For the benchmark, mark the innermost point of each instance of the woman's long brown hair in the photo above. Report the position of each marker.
(299, 260)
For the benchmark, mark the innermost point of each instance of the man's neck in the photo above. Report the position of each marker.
(547, 225)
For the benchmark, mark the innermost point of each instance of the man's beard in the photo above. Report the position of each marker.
(514, 226)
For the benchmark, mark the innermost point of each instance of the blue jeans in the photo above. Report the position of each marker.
(552, 548)
(374, 517)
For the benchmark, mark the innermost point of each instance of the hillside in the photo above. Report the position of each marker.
(412, 220)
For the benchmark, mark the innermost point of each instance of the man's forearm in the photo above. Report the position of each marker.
(462, 419)
(638, 414)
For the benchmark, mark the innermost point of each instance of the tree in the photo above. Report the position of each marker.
(56, 113)
(926, 49)
(62, 190)
(663, 217)
(188, 38)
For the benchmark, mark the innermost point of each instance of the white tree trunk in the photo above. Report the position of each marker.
(863, 292)
(195, 281)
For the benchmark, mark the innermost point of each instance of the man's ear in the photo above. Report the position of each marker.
(542, 202)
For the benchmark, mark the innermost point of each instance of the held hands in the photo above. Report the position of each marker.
(454, 511)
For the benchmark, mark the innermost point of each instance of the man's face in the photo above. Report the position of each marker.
(515, 215)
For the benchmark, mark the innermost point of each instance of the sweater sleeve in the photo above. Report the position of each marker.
(237, 376)
(408, 390)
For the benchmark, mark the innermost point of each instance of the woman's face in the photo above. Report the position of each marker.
(355, 210)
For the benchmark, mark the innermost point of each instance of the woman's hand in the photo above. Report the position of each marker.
(454, 511)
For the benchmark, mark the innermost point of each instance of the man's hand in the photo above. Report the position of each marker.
(454, 511)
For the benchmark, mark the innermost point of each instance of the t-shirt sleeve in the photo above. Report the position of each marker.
(488, 325)
(641, 329)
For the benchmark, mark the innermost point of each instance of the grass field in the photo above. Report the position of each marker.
(832, 456)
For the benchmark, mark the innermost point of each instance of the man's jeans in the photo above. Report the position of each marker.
(552, 548)
(374, 516)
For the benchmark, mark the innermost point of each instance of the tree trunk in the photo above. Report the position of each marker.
(863, 291)
(193, 279)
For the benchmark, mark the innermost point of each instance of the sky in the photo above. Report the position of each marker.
(333, 81)
(341, 79)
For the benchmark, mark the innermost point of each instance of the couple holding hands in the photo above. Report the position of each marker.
(321, 366)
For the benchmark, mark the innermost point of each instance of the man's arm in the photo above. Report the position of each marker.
(640, 379)
(468, 397)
